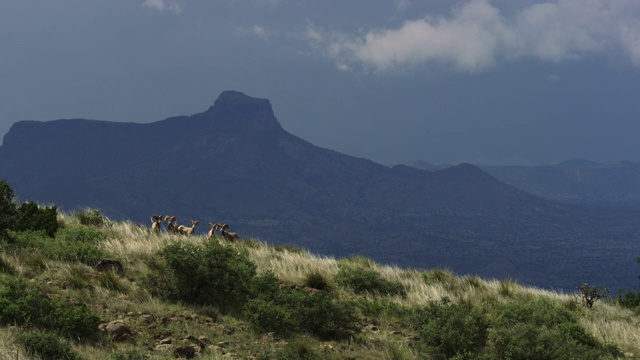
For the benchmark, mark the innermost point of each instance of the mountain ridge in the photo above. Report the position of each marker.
(234, 163)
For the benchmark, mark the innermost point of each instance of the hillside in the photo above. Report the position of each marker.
(395, 313)
(235, 164)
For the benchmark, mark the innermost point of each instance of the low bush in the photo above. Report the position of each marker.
(25, 216)
(211, 274)
(368, 281)
(630, 298)
(24, 304)
(298, 349)
(448, 330)
(541, 329)
(129, 355)
(46, 345)
(89, 216)
(317, 280)
(287, 311)
(30, 216)
(63, 247)
(83, 234)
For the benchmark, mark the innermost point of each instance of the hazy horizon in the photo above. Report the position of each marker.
(485, 82)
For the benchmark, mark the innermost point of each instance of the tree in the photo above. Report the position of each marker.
(7, 207)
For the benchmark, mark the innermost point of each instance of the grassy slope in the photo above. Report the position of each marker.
(114, 298)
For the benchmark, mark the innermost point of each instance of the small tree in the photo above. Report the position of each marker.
(591, 294)
(7, 208)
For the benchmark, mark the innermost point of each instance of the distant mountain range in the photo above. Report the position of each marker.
(572, 181)
(235, 164)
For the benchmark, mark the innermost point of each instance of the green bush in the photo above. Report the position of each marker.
(287, 311)
(447, 330)
(6, 267)
(81, 234)
(24, 304)
(59, 248)
(91, 217)
(25, 216)
(629, 298)
(368, 281)
(317, 280)
(129, 355)
(294, 350)
(211, 274)
(8, 209)
(32, 217)
(46, 345)
(541, 329)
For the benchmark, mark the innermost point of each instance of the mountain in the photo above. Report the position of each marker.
(576, 181)
(235, 164)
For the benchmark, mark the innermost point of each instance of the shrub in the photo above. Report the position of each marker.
(295, 350)
(59, 248)
(26, 216)
(81, 234)
(368, 281)
(46, 345)
(211, 274)
(23, 304)
(448, 330)
(287, 311)
(591, 294)
(629, 298)
(539, 312)
(541, 329)
(7, 208)
(91, 217)
(32, 217)
(6, 267)
(438, 276)
(317, 280)
(129, 355)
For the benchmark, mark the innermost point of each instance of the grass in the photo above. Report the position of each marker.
(385, 320)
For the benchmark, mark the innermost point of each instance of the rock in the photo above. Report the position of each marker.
(147, 318)
(110, 265)
(184, 351)
(119, 331)
(163, 348)
(166, 341)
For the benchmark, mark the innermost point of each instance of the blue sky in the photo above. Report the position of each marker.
(488, 82)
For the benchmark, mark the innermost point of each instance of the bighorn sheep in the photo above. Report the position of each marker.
(186, 230)
(227, 235)
(171, 224)
(212, 230)
(156, 220)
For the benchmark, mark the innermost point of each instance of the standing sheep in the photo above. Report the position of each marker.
(156, 220)
(172, 228)
(186, 230)
(227, 235)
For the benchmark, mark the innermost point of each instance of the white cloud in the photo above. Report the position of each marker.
(477, 35)
(162, 5)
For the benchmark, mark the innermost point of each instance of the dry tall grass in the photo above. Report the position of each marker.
(607, 322)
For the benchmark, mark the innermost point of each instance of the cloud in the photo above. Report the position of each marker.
(163, 5)
(477, 35)
(255, 30)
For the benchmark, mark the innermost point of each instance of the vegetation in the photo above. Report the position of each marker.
(249, 300)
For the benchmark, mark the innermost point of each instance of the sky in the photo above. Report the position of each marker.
(444, 81)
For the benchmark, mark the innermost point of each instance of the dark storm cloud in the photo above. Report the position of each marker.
(443, 81)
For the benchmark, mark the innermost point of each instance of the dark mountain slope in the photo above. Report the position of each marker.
(235, 164)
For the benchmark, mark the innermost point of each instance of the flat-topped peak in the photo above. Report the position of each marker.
(234, 109)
